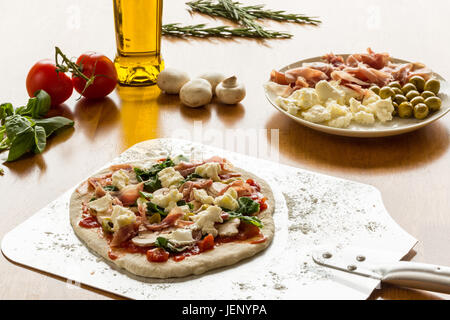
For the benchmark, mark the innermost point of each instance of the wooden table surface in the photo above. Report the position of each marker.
(412, 171)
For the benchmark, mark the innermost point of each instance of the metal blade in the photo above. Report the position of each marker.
(351, 262)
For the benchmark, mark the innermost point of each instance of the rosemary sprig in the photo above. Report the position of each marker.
(202, 31)
(278, 15)
(246, 15)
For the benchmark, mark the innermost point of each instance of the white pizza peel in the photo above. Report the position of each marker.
(311, 210)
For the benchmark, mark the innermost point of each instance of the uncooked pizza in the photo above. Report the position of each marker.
(173, 217)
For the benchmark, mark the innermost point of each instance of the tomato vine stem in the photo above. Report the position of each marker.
(68, 65)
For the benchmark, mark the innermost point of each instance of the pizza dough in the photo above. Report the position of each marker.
(224, 254)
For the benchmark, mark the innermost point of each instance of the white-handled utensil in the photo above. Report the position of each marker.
(405, 274)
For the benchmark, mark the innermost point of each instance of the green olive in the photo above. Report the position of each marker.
(155, 218)
(395, 84)
(433, 85)
(405, 110)
(398, 91)
(399, 98)
(375, 89)
(417, 100)
(419, 82)
(395, 112)
(107, 225)
(427, 94)
(412, 94)
(386, 92)
(421, 111)
(434, 103)
(408, 87)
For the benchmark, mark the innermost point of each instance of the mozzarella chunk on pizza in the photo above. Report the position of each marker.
(169, 176)
(181, 237)
(206, 219)
(229, 228)
(202, 196)
(120, 179)
(102, 204)
(121, 217)
(228, 200)
(209, 170)
(166, 198)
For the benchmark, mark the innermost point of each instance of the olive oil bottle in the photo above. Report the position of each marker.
(138, 36)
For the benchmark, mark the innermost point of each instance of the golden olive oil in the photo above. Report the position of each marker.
(138, 36)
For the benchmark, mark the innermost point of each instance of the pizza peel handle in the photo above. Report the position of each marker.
(403, 273)
(416, 275)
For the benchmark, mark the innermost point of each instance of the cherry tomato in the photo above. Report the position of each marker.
(207, 243)
(247, 231)
(262, 204)
(43, 76)
(89, 222)
(93, 63)
(157, 255)
(254, 184)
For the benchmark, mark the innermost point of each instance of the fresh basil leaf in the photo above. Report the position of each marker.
(139, 174)
(153, 208)
(20, 110)
(144, 175)
(4, 143)
(6, 110)
(16, 124)
(37, 107)
(111, 188)
(146, 195)
(53, 124)
(22, 143)
(184, 203)
(247, 206)
(43, 103)
(172, 248)
(161, 242)
(248, 219)
(192, 176)
(40, 139)
(165, 244)
(152, 184)
(166, 163)
(27, 110)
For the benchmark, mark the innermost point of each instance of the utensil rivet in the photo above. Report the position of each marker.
(360, 258)
(327, 255)
(351, 267)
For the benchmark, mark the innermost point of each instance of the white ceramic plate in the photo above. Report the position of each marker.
(391, 128)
